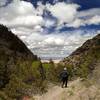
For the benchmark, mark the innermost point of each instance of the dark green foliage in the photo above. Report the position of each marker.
(16, 87)
(59, 67)
(17, 76)
(40, 83)
(50, 71)
(3, 96)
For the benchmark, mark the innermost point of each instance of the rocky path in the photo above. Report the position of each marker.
(75, 91)
(58, 93)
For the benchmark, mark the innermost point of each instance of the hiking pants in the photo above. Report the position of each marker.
(64, 81)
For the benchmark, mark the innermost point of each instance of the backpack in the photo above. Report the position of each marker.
(64, 74)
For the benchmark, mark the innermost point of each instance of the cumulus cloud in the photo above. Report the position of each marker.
(17, 8)
(87, 17)
(89, 13)
(30, 24)
(53, 41)
(94, 20)
(20, 14)
(28, 21)
(3, 2)
(56, 44)
(65, 13)
(76, 23)
(49, 22)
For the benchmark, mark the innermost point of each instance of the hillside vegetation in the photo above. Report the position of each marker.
(17, 75)
(83, 61)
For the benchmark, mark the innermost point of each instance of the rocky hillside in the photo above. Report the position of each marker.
(12, 46)
(83, 60)
(88, 46)
(16, 73)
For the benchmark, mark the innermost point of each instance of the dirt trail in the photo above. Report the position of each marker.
(51, 94)
(75, 91)
(58, 93)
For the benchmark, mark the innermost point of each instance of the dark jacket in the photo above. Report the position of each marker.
(63, 74)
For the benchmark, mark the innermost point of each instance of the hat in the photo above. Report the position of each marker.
(65, 68)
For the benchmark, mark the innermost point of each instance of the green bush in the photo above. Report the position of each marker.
(16, 87)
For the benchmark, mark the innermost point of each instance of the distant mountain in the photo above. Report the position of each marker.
(83, 60)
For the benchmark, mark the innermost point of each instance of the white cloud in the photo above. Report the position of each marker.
(98, 32)
(40, 8)
(3, 2)
(53, 41)
(24, 21)
(94, 20)
(89, 13)
(27, 21)
(20, 7)
(83, 18)
(56, 44)
(63, 12)
(87, 17)
(76, 23)
(20, 13)
(49, 22)
(15, 9)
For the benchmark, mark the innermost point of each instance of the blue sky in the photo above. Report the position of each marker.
(52, 28)
(85, 4)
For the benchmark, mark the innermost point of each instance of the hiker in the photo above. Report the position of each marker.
(64, 77)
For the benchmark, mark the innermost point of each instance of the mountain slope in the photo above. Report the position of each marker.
(10, 42)
(16, 72)
(88, 45)
(83, 60)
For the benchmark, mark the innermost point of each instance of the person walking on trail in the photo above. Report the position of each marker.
(64, 77)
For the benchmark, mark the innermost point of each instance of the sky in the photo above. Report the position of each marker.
(52, 28)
